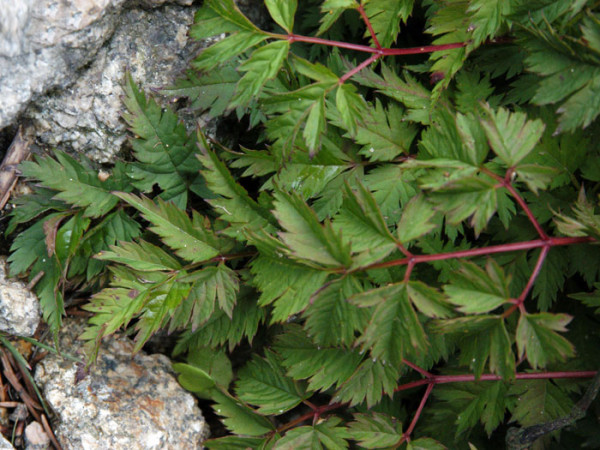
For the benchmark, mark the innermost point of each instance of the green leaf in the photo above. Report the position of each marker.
(263, 65)
(282, 12)
(416, 219)
(575, 60)
(426, 444)
(385, 17)
(481, 338)
(487, 18)
(410, 93)
(220, 329)
(193, 379)
(289, 286)
(140, 256)
(537, 338)
(484, 403)
(210, 285)
(460, 196)
(535, 176)
(230, 13)
(362, 223)
(314, 71)
(205, 369)
(457, 137)
(306, 238)
(224, 51)
(384, 133)
(476, 291)
(394, 331)
(76, 183)
(332, 10)
(511, 135)
(116, 306)
(30, 250)
(263, 383)
(391, 187)
(326, 434)
(370, 381)
(585, 222)
(590, 299)
(162, 147)
(315, 127)
(351, 107)
(234, 442)
(375, 430)
(235, 205)
(159, 305)
(190, 239)
(330, 305)
(29, 206)
(209, 92)
(539, 401)
(428, 301)
(239, 418)
(323, 367)
(551, 277)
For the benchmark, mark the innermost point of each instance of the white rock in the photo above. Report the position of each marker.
(126, 401)
(19, 307)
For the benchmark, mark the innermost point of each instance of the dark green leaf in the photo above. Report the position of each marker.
(239, 418)
(511, 135)
(394, 331)
(263, 383)
(323, 367)
(282, 12)
(305, 236)
(481, 338)
(190, 239)
(263, 65)
(537, 338)
(375, 430)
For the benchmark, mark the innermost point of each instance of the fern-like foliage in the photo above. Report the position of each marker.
(395, 224)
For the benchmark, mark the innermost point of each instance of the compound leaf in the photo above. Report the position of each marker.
(538, 341)
(190, 239)
(263, 383)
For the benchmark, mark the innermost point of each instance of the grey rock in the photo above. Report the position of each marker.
(127, 401)
(45, 43)
(4, 444)
(19, 307)
(85, 117)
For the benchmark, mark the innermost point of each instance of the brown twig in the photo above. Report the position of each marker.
(50, 433)
(16, 153)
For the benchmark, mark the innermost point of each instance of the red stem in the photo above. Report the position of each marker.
(358, 68)
(422, 371)
(318, 411)
(443, 379)
(535, 273)
(367, 22)
(506, 182)
(526, 210)
(413, 423)
(368, 49)
(492, 249)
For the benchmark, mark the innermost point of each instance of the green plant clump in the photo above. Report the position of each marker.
(402, 253)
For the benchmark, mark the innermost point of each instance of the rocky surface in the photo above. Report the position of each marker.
(85, 46)
(4, 444)
(19, 307)
(126, 401)
(152, 44)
